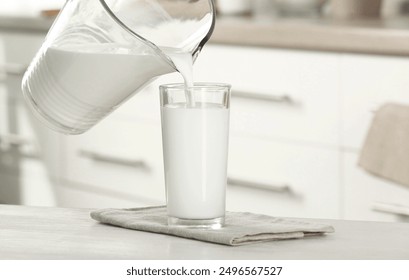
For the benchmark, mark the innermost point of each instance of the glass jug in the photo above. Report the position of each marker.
(99, 53)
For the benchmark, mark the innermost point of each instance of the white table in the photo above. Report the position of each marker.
(57, 233)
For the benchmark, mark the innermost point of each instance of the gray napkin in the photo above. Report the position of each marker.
(240, 228)
(386, 148)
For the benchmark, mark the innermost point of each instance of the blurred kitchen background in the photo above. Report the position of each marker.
(308, 78)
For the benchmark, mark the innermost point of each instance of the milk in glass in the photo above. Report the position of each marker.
(195, 158)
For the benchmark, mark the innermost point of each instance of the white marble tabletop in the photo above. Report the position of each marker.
(60, 233)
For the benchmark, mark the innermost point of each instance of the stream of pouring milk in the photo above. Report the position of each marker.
(184, 64)
(195, 139)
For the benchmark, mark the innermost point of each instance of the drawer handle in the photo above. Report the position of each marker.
(256, 185)
(391, 208)
(8, 140)
(278, 98)
(14, 140)
(13, 69)
(140, 164)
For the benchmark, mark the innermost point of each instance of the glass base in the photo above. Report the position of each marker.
(215, 223)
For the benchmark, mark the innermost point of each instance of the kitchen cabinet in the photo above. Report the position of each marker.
(280, 94)
(283, 157)
(298, 120)
(121, 158)
(342, 92)
(282, 179)
(25, 146)
(367, 82)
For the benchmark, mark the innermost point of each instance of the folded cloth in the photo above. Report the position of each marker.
(386, 148)
(240, 228)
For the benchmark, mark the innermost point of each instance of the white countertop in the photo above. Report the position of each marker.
(58, 233)
(385, 37)
(375, 36)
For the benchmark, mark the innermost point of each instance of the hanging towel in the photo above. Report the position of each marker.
(385, 152)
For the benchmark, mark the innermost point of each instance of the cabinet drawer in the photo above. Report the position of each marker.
(282, 179)
(370, 198)
(16, 52)
(119, 157)
(75, 196)
(367, 83)
(20, 48)
(278, 93)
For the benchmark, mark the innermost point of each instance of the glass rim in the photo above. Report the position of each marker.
(198, 85)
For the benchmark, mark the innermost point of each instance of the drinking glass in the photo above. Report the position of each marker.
(195, 133)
